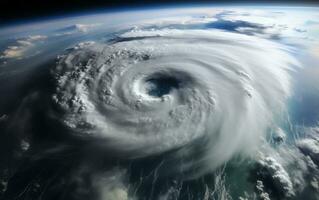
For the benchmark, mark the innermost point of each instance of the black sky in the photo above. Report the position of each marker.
(12, 10)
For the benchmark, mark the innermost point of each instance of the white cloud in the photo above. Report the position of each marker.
(76, 28)
(280, 23)
(310, 147)
(21, 46)
(84, 27)
(278, 175)
(185, 20)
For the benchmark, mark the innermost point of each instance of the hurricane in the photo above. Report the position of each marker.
(148, 92)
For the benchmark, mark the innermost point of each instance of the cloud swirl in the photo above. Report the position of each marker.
(152, 91)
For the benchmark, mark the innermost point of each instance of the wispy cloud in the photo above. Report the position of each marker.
(21, 46)
(76, 28)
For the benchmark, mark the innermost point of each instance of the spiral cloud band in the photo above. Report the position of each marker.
(152, 91)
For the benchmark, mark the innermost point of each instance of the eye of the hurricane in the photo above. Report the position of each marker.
(161, 85)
